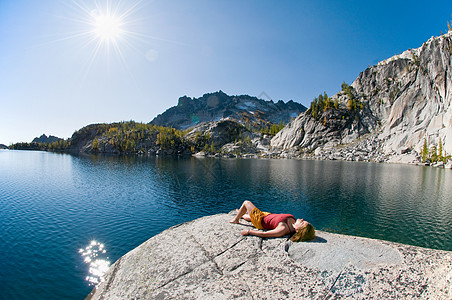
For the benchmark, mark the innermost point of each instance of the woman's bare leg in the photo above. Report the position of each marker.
(246, 217)
(246, 208)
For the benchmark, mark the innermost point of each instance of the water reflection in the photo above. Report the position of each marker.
(94, 255)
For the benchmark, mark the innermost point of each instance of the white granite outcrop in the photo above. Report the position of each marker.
(209, 259)
(405, 100)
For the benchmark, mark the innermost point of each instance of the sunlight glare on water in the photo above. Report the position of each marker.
(94, 255)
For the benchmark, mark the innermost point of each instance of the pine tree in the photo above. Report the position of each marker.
(424, 151)
(350, 104)
(95, 145)
(440, 151)
(434, 154)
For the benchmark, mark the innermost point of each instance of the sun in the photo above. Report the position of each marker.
(108, 32)
(107, 27)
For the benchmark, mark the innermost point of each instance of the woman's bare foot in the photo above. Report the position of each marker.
(234, 221)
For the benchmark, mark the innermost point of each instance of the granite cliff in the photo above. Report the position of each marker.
(216, 106)
(209, 259)
(391, 108)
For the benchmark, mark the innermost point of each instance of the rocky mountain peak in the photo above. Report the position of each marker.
(216, 106)
(46, 139)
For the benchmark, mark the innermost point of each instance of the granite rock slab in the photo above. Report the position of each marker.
(208, 259)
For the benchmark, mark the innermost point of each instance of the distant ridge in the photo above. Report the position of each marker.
(46, 139)
(213, 107)
(3, 146)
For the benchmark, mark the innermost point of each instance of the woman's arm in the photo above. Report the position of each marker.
(281, 230)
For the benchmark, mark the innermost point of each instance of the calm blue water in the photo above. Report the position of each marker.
(53, 205)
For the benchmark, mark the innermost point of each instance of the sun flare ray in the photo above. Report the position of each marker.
(103, 26)
(108, 32)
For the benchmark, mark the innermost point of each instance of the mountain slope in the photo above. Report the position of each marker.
(402, 101)
(216, 106)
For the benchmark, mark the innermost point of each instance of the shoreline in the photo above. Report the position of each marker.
(404, 159)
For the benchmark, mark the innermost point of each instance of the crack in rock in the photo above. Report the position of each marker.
(174, 279)
(210, 258)
(334, 283)
(237, 266)
(230, 247)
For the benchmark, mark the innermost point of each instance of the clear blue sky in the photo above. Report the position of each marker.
(54, 81)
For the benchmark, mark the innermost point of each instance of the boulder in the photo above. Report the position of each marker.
(209, 259)
(200, 154)
(439, 165)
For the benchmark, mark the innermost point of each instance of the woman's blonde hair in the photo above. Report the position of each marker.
(304, 234)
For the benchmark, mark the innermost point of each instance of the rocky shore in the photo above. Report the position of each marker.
(368, 148)
(209, 259)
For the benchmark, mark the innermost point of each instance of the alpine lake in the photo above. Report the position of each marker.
(64, 219)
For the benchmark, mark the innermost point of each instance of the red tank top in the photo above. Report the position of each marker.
(272, 220)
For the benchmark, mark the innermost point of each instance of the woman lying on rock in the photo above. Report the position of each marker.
(277, 224)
